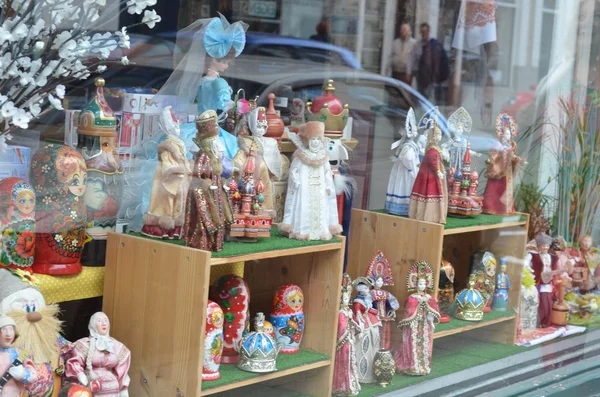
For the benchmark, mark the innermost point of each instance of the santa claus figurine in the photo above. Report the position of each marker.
(15, 370)
(544, 266)
(310, 206)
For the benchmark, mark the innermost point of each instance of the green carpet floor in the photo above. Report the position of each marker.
(275, 242)
(479, 220)
(456, 323)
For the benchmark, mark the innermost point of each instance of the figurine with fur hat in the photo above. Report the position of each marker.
(207, 209)
(100, 361)
(16, 369)
(310, 206)
(165, 215)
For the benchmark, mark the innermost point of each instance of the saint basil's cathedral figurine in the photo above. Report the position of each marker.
(463, 201)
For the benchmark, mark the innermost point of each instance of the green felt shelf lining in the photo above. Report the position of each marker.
(456, 323)
(231, 373)
(479, 220)
(236, 248)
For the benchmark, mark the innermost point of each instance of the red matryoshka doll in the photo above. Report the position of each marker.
(59, 176)
(17, 223)
(232, 294)
(213, 342)
(97, 136)
(446, 290)
(287, 317)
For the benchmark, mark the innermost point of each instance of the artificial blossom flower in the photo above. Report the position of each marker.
(60, 91)
(123, 38)
(125, 60)
(151, 18)
(101, 68)
(56, 104)
(137, 6)
(8, 109)
(21, 119)
(35, 109)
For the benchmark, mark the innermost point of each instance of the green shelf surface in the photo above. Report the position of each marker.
(456, 323)
(231, 373)
(479, 220)
(236, 248)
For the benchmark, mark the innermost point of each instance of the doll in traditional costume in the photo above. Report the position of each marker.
(345, 369)
(16, 369)
(17, 223)
(405, 169)
(386, 304)
(483, 267)
(544, 267)
(421, 313)
(586, 265)
(165, 215)
(500, 302)
(459, 123)
(39, 330)
(429, 196)
(207, 209)
(446, 290)
(100, 361)
(502, 166)
(367, 336)
(310, 205)
(344, 184)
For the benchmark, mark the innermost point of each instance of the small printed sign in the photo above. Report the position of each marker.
(262, 8)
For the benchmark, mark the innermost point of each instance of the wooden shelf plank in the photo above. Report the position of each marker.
(266, 377)
(479, 228)
(276, 253)
(474, 325)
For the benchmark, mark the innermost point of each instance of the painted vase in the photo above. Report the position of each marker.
(446, 290)
(384, 367)
(59, 177)
(213, 342)
(17, 223)
(287, 317)
(232, 294)
(528, 309)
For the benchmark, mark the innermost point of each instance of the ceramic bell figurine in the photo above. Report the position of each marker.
(421, 313)
(483, 267)
(165, 215)
(446, 290)
(329, 109)
(386, 304)
(16, 369)
(17, 223)
(429, 196)
(366, 343)
(310, 206)
(345, 371)
(100, 361)
(213, 342)
(275, 123)
(468, 303)
(258, 351)
(59, 177)
(287, 317)
(207, 207)
(502, 166)
(232, 294)
(500, 302)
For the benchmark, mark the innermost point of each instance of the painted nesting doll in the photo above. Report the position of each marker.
(483, 267)
(232, 294)
(213, 342)
(59, 176)
(287, 317)
(17, 223)
(97, 136)
(446, 290)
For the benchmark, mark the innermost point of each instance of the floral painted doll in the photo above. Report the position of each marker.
(17, 223)
(213, 342)
(287, 317)
(483, 267)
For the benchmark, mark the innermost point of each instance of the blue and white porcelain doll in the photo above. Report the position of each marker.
(500, 302)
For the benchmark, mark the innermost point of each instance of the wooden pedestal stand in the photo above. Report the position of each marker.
(156, 293)
(405, 241)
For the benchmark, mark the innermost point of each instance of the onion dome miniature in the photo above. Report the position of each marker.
(469, 303)
(258, 350)
(329, 109)
(97, 118)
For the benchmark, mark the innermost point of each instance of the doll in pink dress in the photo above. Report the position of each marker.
(15, 370)
(421, 313)
(100, 361)
(345, 371)
(368, 325)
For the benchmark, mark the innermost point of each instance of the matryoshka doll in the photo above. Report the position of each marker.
(97, 136)
(287, 317)
(446, 290)
(483, 267)
(17, 223)
(59, 176)
(213, 342)
(232, 294)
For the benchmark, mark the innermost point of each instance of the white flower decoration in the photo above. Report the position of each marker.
(8, 109)
(45, 168)
(39, 45)
(74, 242)
(21, 119)
(35, 110)
(46, 200)
(123, 38)
(151, 18)
(137, 6)
(58, 237)
(125, 60)
(101, 68)
(56, 104)
(60, 91)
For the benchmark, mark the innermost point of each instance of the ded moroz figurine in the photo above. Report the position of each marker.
(310, 205)
(368, 322)
(100, 361)
(429, 196)
(345, 371)
(386, 304)
(16, 369)
(421, 313)
(405, 169)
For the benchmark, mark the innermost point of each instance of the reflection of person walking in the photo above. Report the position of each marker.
(401, 51)
(323, 29)
(429, 62)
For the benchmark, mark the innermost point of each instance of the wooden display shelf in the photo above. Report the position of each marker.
(155, 294)
(286, 146)
(460, 326)
(405, 241)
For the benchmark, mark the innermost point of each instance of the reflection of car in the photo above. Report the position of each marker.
(518, 101)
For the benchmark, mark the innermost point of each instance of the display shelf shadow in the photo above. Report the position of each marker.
(405, 241)
(156, 295)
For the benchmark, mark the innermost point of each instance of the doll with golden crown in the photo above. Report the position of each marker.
(421, 313)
